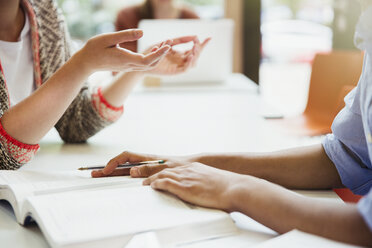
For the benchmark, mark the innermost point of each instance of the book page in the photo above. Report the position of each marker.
(295, 239)
(15, 177)
(82, 216)
(23, 184)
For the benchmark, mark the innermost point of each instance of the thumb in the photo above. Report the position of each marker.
(111, 39)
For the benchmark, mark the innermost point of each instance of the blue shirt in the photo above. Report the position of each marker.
(350, 144)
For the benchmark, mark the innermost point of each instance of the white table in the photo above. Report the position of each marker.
(173, 121)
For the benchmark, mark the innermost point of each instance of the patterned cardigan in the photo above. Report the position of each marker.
(87, 114)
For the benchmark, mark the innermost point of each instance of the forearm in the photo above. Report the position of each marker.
(31, 119)
(282, 211)
(299, 168)
(116, 92)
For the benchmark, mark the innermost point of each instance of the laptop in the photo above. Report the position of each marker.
(215, 62)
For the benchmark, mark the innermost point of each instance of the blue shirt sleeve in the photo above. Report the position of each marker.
(347, 147)
(365, 209)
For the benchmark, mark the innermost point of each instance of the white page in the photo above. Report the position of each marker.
(23, 184)
(14, 177)
(144, 240)
(75, 217)
(295, 239)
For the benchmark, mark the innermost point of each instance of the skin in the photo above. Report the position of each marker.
(171, 64)
(29, 120)
(255, 184)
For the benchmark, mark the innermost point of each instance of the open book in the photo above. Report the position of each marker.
(74, 210)
(296, 238)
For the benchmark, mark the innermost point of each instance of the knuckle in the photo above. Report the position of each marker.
(111, 161)
(162, 175)
(166, 182)
(145, 170)
(125, 153)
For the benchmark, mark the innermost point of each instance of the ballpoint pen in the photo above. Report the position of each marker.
(126, 165)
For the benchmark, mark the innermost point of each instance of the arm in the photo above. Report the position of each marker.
(267, 203)
(298, 168)
(89, 113)
(84, 119)
(28, 121)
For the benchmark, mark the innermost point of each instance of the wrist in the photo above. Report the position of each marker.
(197, 158)
(81, 61)
(239, 193)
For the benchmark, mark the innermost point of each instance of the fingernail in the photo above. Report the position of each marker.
(138, 32)
(134, 172)
(146, 182)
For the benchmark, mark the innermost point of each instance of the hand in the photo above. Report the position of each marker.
(176, 62)
(198, 184)
(102, 52)
(140, 171)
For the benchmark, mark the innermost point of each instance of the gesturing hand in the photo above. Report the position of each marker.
(176, 62)
(103, 52)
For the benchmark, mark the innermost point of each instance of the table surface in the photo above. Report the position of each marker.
(173, 120)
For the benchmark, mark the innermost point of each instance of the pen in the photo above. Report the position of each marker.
(126, 165)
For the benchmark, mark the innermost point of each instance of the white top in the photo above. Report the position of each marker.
(16, 60)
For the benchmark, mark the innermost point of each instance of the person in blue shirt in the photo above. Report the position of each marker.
(255, 184)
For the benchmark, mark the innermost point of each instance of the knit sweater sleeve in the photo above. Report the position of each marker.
(13, 153)
(89, 113)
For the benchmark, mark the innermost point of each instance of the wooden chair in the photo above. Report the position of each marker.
(333, 75)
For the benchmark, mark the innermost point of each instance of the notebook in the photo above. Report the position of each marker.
(74, 210)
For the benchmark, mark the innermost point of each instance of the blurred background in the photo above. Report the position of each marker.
(275, 40)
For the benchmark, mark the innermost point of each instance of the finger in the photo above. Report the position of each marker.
(171, 173)
(196, 41)
(168, 185)
(183, 39)
(153, 65)
(205, 42)
(197, 45)
(189, 60)
(186, 65)
(147, 170)
(155, 56)
(125, 157)
(163, 43)
(111, 39)
(116, 172)
(169, 42)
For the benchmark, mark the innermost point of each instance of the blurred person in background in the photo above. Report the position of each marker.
(129, 17)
